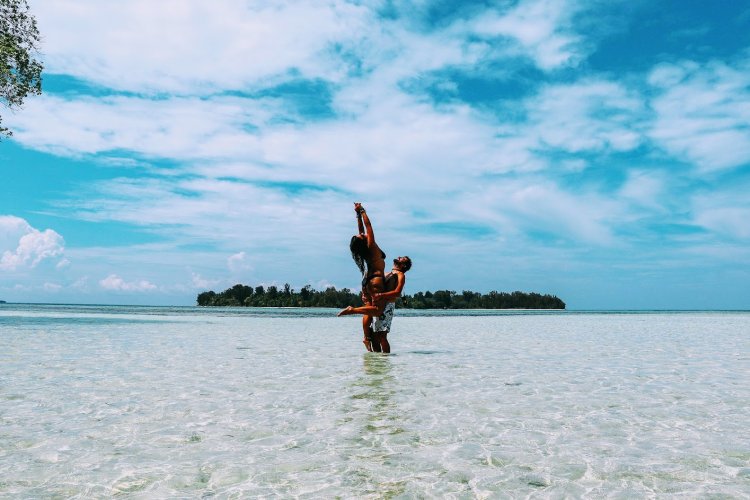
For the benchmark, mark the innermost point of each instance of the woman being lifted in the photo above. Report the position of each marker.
(370, 260)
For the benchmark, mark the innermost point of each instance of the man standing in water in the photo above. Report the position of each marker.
(384, 305)
(394, 284)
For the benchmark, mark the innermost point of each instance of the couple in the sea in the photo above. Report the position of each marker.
(379, 290)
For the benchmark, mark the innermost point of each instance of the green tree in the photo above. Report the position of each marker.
(20, 71)
(206, 298)
(244, 295)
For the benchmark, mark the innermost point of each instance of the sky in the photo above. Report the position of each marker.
(597, 150)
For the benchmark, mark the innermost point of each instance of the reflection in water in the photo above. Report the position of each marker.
(379, 386)
(375, 418)
(377, 364)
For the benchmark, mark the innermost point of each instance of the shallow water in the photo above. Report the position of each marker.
(234, 403)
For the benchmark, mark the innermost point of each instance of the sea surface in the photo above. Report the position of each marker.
(154, 402)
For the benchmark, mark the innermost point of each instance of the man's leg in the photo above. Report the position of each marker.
(374, 342)
(381, 340)
(368, 341)
(381, 327)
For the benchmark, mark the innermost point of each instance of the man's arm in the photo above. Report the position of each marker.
(395, 293)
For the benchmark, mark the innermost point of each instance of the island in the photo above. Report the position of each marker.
(243, 295)
(3, 302)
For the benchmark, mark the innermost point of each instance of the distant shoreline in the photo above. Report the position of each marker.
(519, 310)
(246, 296)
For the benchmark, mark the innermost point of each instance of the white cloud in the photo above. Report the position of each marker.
(544, 206)
(198, 282)
(732, 221)
(377, 116)
(587, 116)
(193, 45)
(52, 287)
(115, 283)
(28, 246)
(644, 188)
(238, 262)
(81, 283)
(702, 112)
(724, 211)
(402, 146)
(542, 28)
(174, 128)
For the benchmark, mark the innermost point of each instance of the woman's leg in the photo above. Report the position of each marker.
(366, 310)
(367, 330)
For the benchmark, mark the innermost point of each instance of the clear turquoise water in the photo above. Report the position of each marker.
(97, 401)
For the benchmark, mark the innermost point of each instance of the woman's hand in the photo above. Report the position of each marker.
(358, 207)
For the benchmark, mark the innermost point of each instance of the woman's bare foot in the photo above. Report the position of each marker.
(368, 344)
(345, 312)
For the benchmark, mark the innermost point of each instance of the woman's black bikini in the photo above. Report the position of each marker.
(372, 275)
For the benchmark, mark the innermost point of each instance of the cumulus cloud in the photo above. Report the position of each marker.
(28, 246)
(115, 283)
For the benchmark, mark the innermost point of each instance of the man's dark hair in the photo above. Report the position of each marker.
(358, 247)
(407, 264)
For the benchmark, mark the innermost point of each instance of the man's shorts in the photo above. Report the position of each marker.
(382, 323)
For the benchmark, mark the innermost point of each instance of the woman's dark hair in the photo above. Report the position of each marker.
(358, 247)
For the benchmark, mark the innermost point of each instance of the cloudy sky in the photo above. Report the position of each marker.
(598, 150)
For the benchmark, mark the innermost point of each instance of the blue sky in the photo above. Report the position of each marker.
(596, 150)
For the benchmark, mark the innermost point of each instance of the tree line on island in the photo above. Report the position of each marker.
(272, 296)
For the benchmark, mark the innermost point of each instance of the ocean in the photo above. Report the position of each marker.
(182, 402)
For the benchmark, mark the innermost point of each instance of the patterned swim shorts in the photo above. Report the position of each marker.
(383, 322)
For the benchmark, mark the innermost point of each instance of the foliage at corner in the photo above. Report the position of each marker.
(20, 71)
(244, 295)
